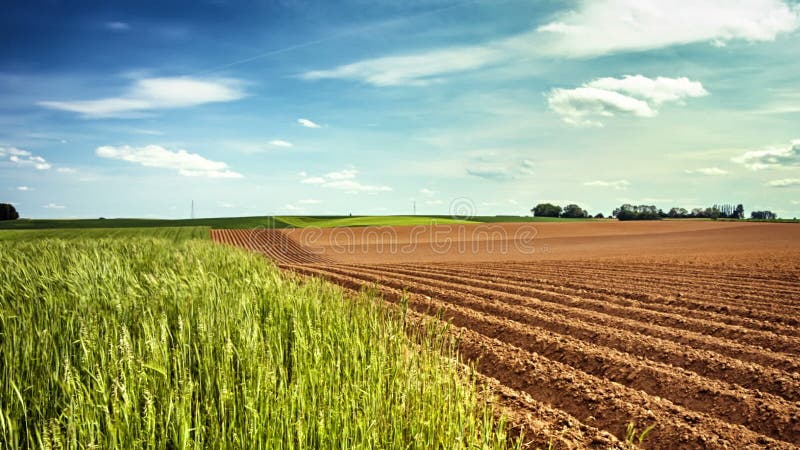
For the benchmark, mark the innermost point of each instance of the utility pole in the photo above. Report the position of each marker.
(192, 209)
(414, 207)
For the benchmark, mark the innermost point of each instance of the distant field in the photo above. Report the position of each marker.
(506, 219)
(685, 330)
(175, 234)
(265, 222)
(215, 222)
(364, 221)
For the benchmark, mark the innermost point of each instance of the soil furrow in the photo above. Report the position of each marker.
(635, 338)
(756, 320)
(727, 288)
(575, 391)
(667, 288)
(766, 414)
(631, 310)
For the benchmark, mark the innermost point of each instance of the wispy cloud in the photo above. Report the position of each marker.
(771, 158)
(784, 183)
(53, 206)
(490, 172)
(24, 188)
(117, 26)
(281, 143)
(707, 171)
(66, 170)
(527, 167)
(616, 184)
(150, 94)
(426, 191)
(636, 95)
(492, 166)
(24, 158)
(187, 164)
(593, 28)
(415, 69)
(344, 180)
(309, 201)
(308, 123)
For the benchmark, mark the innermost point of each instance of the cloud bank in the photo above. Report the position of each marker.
(632, 95)
(344, 180)
(784, 183)
(593, 28)
(603, 27)
(187, 164)
(308, 123)
(24, 158)
(771, 158)
(616, 184)
(150, 94)
(707, 171)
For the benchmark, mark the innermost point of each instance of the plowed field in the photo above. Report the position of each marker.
(691, 327)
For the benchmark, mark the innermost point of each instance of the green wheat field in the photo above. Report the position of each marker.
(173, 342)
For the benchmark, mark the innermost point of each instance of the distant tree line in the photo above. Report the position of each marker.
(8, 212)
(571, 211)
(651, 212)
(724, 211)
(763, 215)
(727, 211)
(637, 212)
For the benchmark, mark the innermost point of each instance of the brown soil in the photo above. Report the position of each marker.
(691, 326)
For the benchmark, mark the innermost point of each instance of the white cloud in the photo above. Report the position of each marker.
(707, 171)
(426, 191)
(490, 172)
(786, 182)
(155, 93)
(308, 123)
(352, 186)
(414, 69)
(281, 143)
(344, 180)
(66, 170)
(616, 184)
(24, 158)
(433, 202)
(187, 164)
(148, 132)
(117, 26)
(37, 162)
(773, 157)
(309, 201)
(53, 206)
(655, 91)
(593, 28)
(599, 27)
(293, 208)
(24, 188)
(631, 95)
(346, 174)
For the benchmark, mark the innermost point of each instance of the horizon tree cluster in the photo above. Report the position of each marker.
(8, 212)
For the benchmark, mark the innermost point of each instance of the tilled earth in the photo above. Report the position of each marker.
(704, 345)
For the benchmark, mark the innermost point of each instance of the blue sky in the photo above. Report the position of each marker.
(133, 109)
